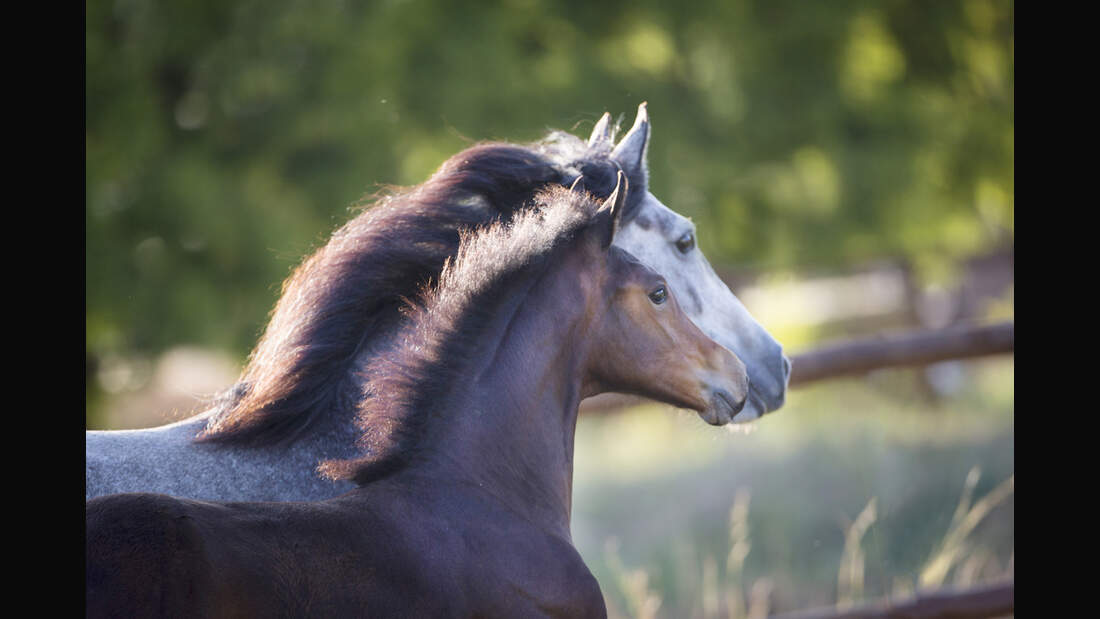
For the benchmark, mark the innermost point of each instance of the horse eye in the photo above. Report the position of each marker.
(686, 243)
(659, 296)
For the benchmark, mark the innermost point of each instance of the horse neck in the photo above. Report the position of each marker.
(510, 428)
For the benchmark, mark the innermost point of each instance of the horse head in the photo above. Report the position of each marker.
(665, 241)
(643, 342)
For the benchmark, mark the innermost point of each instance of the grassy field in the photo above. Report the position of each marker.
(857, 489)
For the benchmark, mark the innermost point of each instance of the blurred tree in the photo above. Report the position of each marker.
(225, 140)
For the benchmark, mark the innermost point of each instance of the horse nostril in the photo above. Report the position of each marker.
(786, 367)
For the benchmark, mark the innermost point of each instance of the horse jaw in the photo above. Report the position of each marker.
(651, 234)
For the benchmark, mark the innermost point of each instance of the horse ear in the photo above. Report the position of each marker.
(616, 203)
(601, 133)
(631, 151)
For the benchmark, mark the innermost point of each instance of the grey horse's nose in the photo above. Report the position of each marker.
(775, 395)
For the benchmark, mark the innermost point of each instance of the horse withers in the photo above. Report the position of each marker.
(463, 497)
(295, 402)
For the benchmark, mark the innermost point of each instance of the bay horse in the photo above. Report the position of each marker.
(462, 501)
(294, 404)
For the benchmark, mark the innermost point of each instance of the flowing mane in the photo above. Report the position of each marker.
(353, 288)
(493, 266)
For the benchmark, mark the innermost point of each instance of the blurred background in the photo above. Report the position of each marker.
(850, 167)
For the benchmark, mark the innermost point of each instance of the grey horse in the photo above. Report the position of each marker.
(295, 403)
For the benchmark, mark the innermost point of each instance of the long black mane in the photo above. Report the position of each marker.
(353, 288)
(495, 266)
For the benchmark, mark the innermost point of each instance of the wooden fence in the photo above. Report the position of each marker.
(863, 355)
(906, 350)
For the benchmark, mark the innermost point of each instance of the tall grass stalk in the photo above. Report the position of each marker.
(850, 574)
(642, 602)
(739, 549)
(954, 545)
(760, 599)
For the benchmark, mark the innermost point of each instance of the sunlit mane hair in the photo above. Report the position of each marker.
(350, 290)
(494, 267)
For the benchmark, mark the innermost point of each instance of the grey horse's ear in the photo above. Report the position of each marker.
(631, 151)
(616, 203)
(601, 133)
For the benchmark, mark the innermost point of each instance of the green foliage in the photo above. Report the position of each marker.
(225, 140)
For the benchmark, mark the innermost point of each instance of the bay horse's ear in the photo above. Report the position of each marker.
(631, 151)
(601, 133)
(616, 203)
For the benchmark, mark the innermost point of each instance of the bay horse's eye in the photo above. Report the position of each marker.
(686, 243)
(659, 296)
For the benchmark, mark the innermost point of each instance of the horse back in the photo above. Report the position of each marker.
(363, 555)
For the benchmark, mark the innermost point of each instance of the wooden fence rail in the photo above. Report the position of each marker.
(900, 350)
(984, 602)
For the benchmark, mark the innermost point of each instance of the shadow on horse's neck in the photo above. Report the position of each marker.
(509, 429)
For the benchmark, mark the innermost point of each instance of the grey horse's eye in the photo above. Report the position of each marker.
(659, 295)
(686, 243)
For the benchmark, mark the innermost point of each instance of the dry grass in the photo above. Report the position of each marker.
(725, 598)
(956, 549)
(850, 575)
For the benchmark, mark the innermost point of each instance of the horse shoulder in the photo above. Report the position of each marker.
(529, 572)
(143, 557)
(571, 587)
(582, 596)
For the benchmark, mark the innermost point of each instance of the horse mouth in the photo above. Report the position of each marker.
(754, 408)
(723, 408)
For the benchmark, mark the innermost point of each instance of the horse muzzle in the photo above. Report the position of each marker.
(723, 407)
